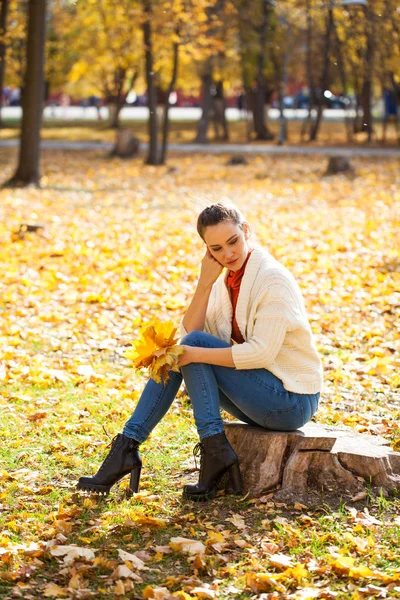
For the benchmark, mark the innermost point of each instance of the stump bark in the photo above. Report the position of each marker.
(313, 460)
(339, 164)
(126, 145)
(237, 160)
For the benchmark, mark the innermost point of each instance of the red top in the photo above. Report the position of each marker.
(233, 281)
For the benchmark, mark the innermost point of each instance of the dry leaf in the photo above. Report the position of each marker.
(360, 496)
(71, 553)
(158, 593)
(237, 521)
(187, 546)
(203, 593)
(119, 588)
(52, 590)
(134, 560)
(262, 582)
(156, 349)
(145, 521)
(345, 566)
(281, 560)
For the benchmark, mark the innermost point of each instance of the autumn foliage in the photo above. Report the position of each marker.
(156, 348)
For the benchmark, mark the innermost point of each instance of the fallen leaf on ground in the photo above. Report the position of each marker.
(52, 590)
(187, 546)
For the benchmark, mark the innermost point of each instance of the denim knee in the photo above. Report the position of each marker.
(194, 338)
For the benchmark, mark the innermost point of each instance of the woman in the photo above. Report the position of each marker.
(248, 349)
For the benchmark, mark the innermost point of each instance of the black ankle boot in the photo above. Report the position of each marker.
(216, 459)
(122, 459)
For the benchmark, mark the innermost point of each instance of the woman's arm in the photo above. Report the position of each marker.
(195, 315)
(210, 356)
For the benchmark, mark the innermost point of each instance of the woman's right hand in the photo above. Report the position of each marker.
(211, 269)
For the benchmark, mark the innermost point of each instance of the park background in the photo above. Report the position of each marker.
(98, 207)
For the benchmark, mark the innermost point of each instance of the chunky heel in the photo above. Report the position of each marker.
(235, 479)
(122, 459)
(134, 481)
(217, 458)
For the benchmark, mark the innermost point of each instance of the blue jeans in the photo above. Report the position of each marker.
(254, 396)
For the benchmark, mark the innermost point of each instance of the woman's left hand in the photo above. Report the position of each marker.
(187, 357)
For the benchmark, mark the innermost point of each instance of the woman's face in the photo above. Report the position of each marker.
(228, 244)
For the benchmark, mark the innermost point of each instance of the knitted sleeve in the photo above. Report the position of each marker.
(273, 318)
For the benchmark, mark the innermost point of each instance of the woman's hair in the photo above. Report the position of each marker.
(217, 213)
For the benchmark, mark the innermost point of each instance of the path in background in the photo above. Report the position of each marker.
(223, 149)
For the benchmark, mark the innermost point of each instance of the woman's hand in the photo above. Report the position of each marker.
(211, 269)
(208, 356)
(187, 357)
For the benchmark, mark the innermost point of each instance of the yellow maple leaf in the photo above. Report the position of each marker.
(146, 521)
(345, 565)
(52, 590)
(264, 582)
(156, 349)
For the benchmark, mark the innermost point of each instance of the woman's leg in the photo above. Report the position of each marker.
(153, 404)
(255, 393)
(202, 386)
(227, 405)
(261, 398)
(124, 457)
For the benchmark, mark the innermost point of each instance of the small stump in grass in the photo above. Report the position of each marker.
(237, 160)
(312, 461)
(126, 146)
(339, 164)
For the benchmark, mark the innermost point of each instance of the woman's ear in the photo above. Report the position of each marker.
(246, 230)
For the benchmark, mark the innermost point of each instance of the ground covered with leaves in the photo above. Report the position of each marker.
(117, 246)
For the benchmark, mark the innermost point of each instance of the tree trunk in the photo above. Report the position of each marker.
(201, 137)
(282, 84)
(115, 106)
(33, 97)
(117, 102)
(325, 76)
(126, 145)
(309, 69)
(152, 157)
(167, 104)
(3, 29)
(344, 81)
(282, 119)
(219, 114)
(366, 95)
(116, 96)
(260, 127)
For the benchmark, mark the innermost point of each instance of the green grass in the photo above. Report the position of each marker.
(44, 458)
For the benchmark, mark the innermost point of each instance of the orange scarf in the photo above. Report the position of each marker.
(233, 282)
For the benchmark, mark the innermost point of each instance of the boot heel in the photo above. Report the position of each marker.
(134, 481)
(235, 479)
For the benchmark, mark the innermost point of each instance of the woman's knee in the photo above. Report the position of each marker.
(194, 338)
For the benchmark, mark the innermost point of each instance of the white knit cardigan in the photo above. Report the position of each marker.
(271, 316)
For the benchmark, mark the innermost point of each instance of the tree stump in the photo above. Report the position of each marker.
(312, 461)
(126, 145)
(237, 160)
(339, 164)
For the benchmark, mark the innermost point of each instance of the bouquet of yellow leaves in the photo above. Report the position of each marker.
(156, 349)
